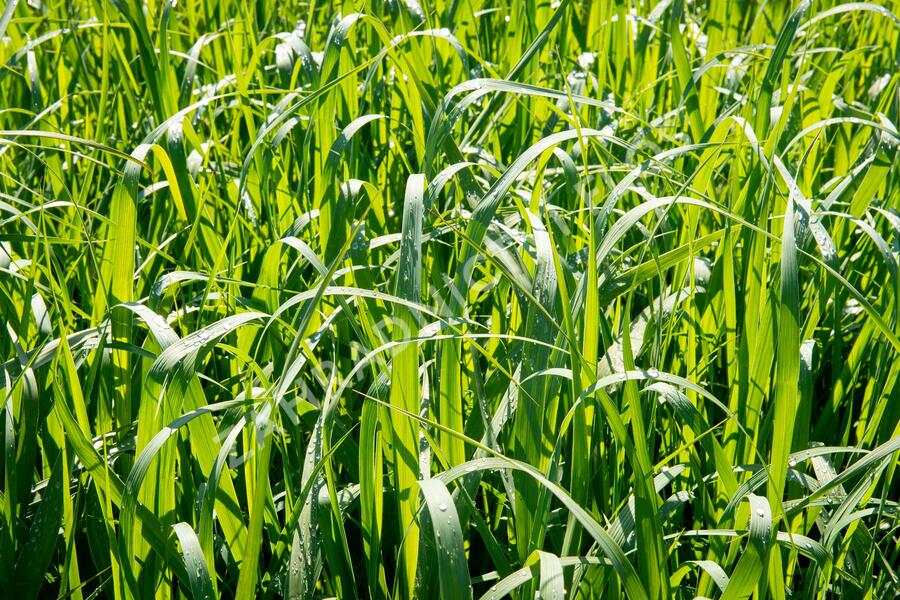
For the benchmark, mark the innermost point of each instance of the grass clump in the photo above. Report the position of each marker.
(392, 300)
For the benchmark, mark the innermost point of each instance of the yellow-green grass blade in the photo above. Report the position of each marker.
(405, 389)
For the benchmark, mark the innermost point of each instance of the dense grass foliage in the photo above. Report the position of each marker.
(458, 298)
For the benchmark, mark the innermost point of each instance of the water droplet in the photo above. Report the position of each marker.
(759, 512)
(442, 507)
(809, 546)
(651, 372)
